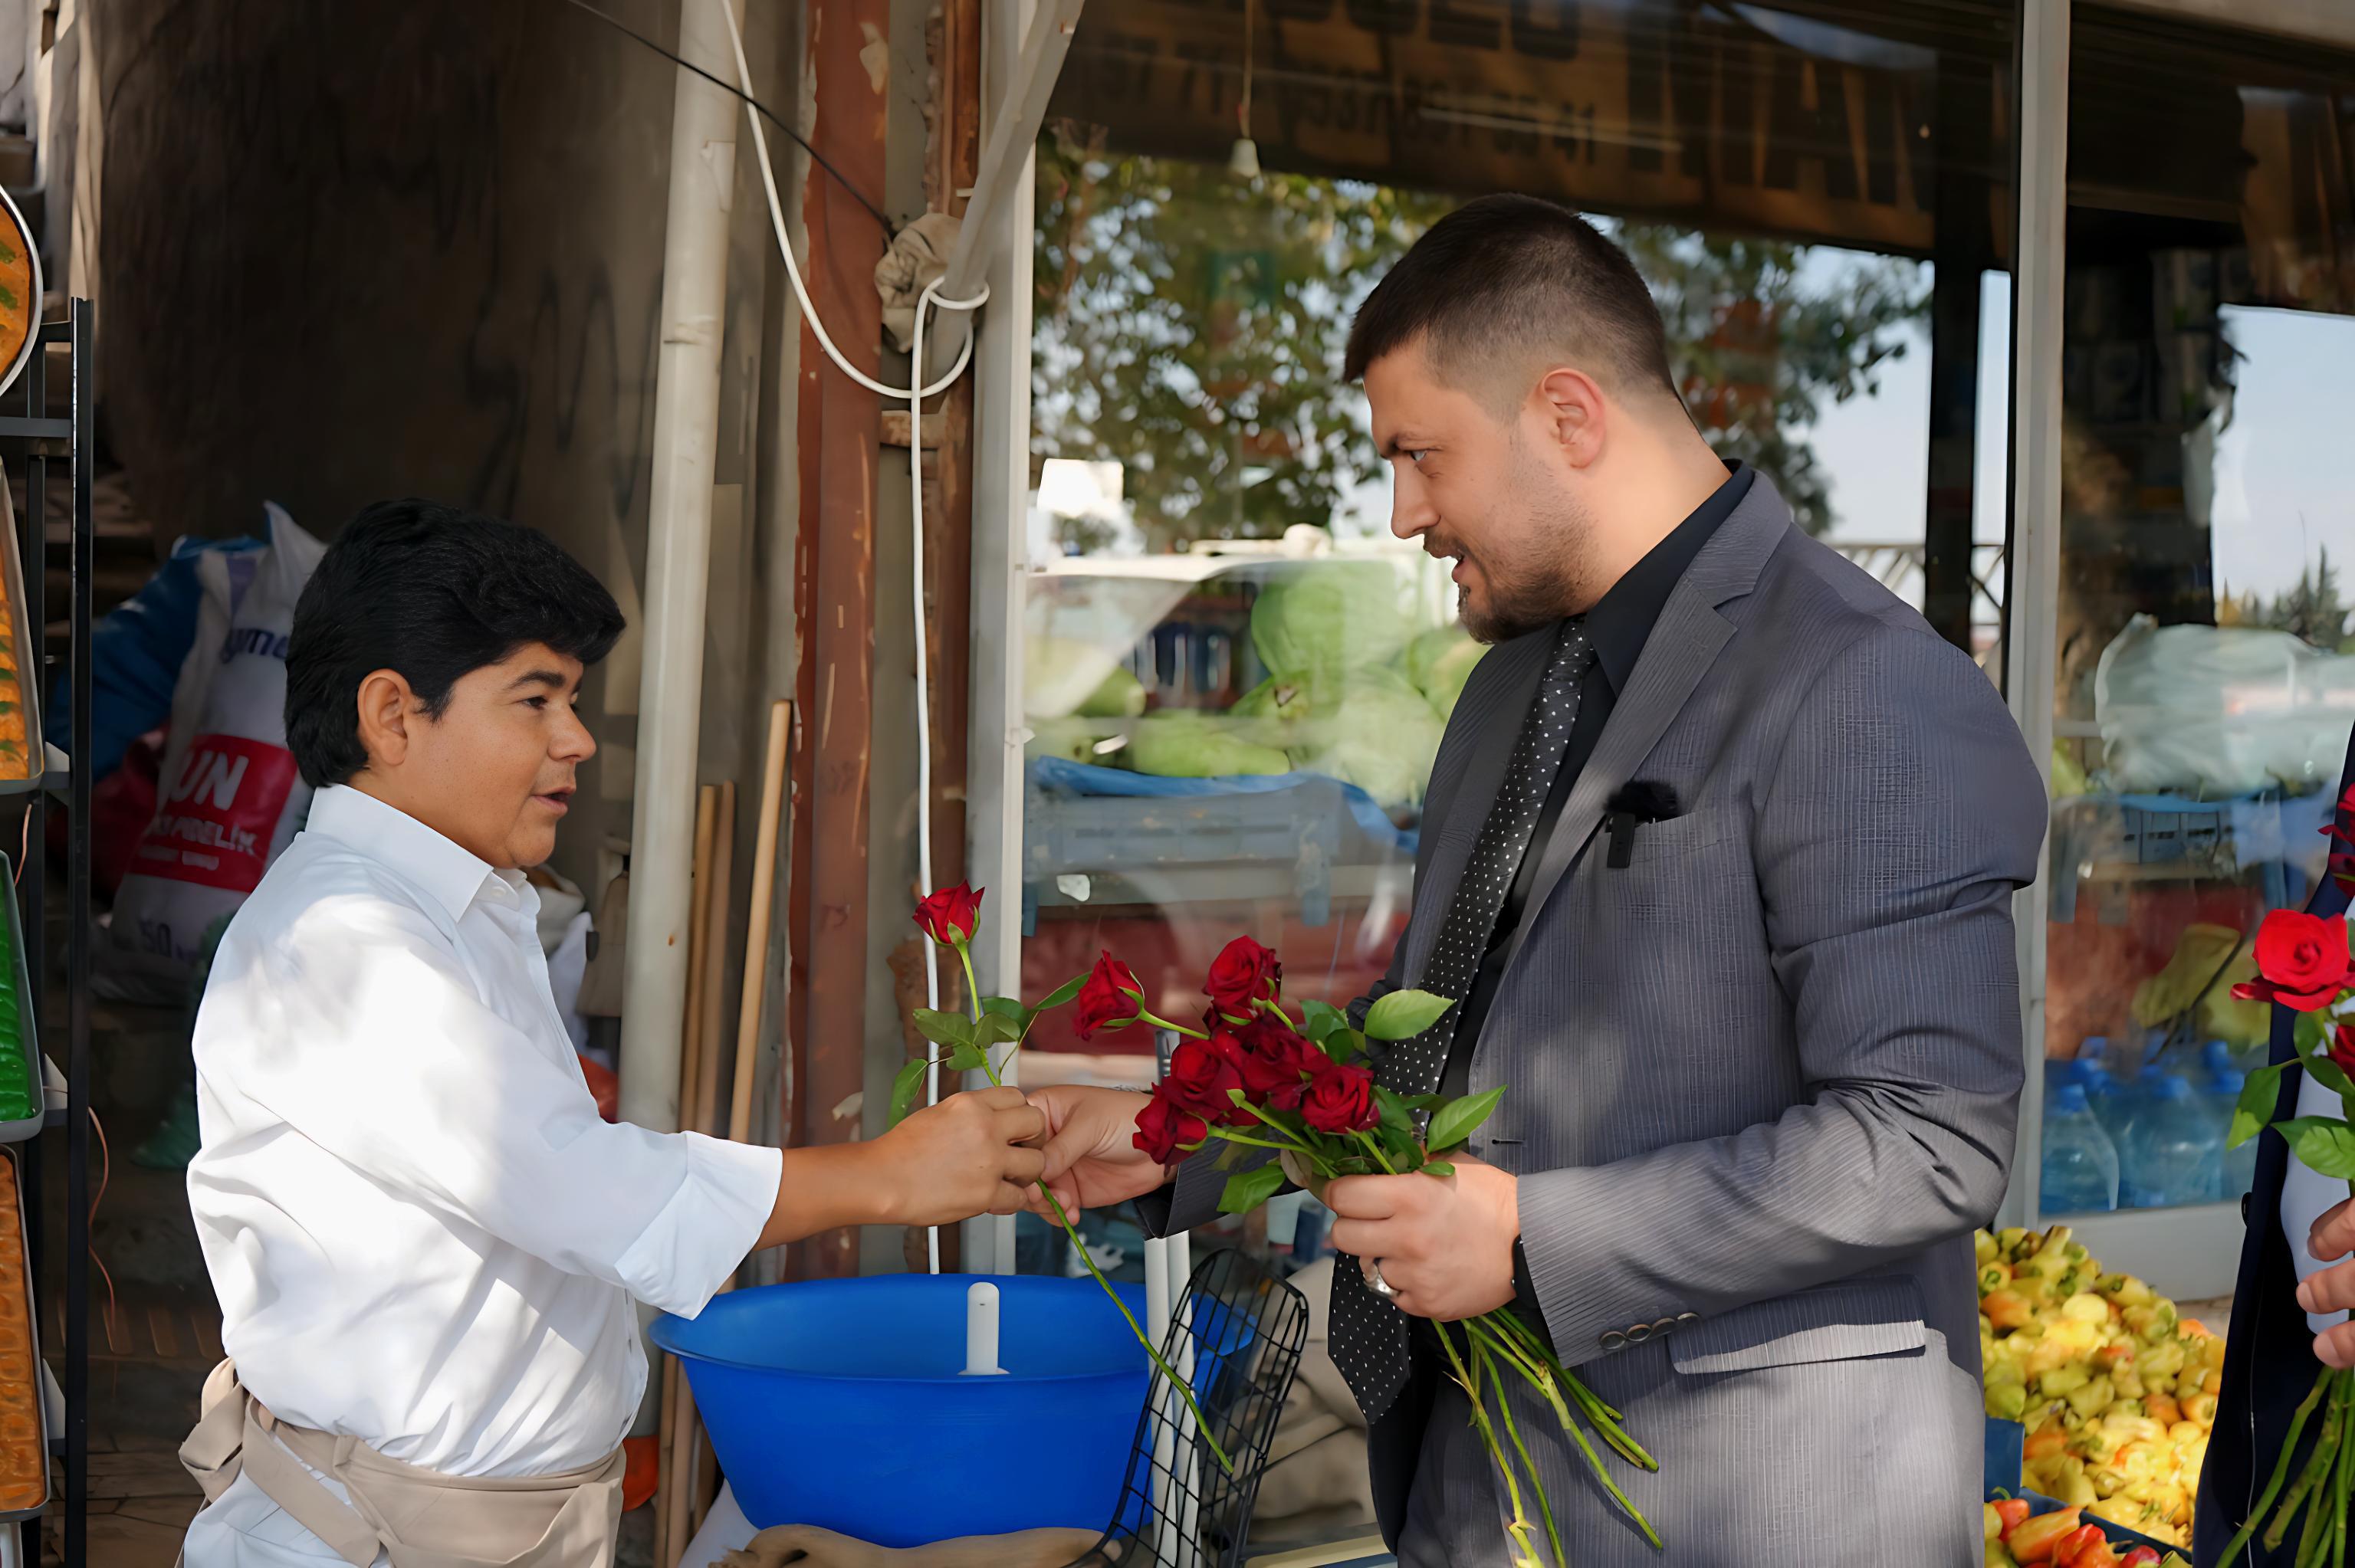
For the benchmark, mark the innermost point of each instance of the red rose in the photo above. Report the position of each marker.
(2343, 1048)
(949, 915)
(2302, 960)
(1112, 999)
(1243, 975)
(1276, 1063)
(1162, 1129)
(1340, 1098)
(1200, 1074)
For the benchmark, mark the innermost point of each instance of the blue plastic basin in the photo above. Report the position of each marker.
(841, 1403)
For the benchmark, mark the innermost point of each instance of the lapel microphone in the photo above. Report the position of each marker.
(1642, 800)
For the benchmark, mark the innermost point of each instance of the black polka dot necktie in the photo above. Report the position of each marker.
(1370, 1336)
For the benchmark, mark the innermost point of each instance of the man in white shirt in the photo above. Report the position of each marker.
(427, 1245)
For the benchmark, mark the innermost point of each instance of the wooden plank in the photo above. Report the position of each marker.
(840, 429)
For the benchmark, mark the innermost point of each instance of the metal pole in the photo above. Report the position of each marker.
(2031, 611)
(1001, 484)
(678, 559)
(77, 1259)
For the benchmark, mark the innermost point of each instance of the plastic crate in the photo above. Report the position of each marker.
(1110, 834)
(2005, 1441)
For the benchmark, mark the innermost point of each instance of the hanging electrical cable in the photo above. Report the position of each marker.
(915, 395)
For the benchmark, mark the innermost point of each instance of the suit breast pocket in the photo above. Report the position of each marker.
(1673, 838)
(1855, 1318)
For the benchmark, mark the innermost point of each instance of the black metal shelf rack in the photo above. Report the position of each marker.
(44, 443)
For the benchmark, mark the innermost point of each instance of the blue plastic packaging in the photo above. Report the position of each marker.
(2081, 1168)
(2237, 1166)
(842, 1404)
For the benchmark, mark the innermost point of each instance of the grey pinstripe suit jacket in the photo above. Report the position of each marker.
(1764, 1074)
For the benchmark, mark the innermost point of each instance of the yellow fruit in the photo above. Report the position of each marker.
(2085, 1308)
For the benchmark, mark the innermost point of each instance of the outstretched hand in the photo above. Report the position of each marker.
(1093, 1160)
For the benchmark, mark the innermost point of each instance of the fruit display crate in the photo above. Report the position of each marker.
(24, 1404)
(23, 1097)
(2005, 1441)
(1133, 837)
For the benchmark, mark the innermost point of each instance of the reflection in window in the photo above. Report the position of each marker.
(1237, 677)
(2206, 679)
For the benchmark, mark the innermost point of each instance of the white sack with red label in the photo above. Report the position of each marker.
(230, 798)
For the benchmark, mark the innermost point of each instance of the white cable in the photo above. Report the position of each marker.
(923, 709)
(915, 395)
(793, 272)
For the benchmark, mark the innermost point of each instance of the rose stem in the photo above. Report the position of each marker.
(1201, 1422)
(1536, 1483)
(1519, 1529)
(2281, 1468)
(2326, 1448)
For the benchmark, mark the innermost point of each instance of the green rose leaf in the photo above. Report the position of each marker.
(2258, 1100)
(2322, 1143)
(1321, 1020)
(996, 1029)
(2311, 1029)
(1248, 1190)
(907, 1086)
(1458, 1119)
(1344, 1043)
(2330, 1075)
(950, 1029)
(1005, 1007)
(1062, 993)
(966, 1058)
(1396, 1116)
(1439, 1167)
(1403, 1014)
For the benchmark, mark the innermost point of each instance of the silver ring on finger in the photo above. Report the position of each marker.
(1371, 1268)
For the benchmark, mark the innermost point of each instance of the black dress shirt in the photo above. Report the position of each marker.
(1619, 626)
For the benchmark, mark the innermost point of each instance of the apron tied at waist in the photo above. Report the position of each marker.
(416, 1518)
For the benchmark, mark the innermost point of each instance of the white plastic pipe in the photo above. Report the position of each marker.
(1165, 1436)
(981, 1330)
(678, 566)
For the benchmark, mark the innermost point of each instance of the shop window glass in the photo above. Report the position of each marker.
(1237, 677)
(2206, 672)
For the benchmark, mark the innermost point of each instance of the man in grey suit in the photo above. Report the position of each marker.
(1719, 856)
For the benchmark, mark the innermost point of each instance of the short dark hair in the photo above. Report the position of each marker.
(1505, 278)
(434, 592)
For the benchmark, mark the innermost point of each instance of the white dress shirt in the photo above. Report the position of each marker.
(2307, 1195)
(421, 1233)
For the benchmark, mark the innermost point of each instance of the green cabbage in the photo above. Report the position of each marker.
(1062, 678)
(1371, 729)
(1183, 745)
(1075, 740)
(1439, 663)
(1317, 621)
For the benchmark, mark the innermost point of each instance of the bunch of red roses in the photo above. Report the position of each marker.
(1254, 1077)
(2304, 964)
(982, 1041)
(1247, 1053)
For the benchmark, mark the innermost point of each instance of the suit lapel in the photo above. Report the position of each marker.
(1684, 643)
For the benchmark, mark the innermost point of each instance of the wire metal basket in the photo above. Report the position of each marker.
(1236, 1335)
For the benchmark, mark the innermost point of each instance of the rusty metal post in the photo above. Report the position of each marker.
(840, 433)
